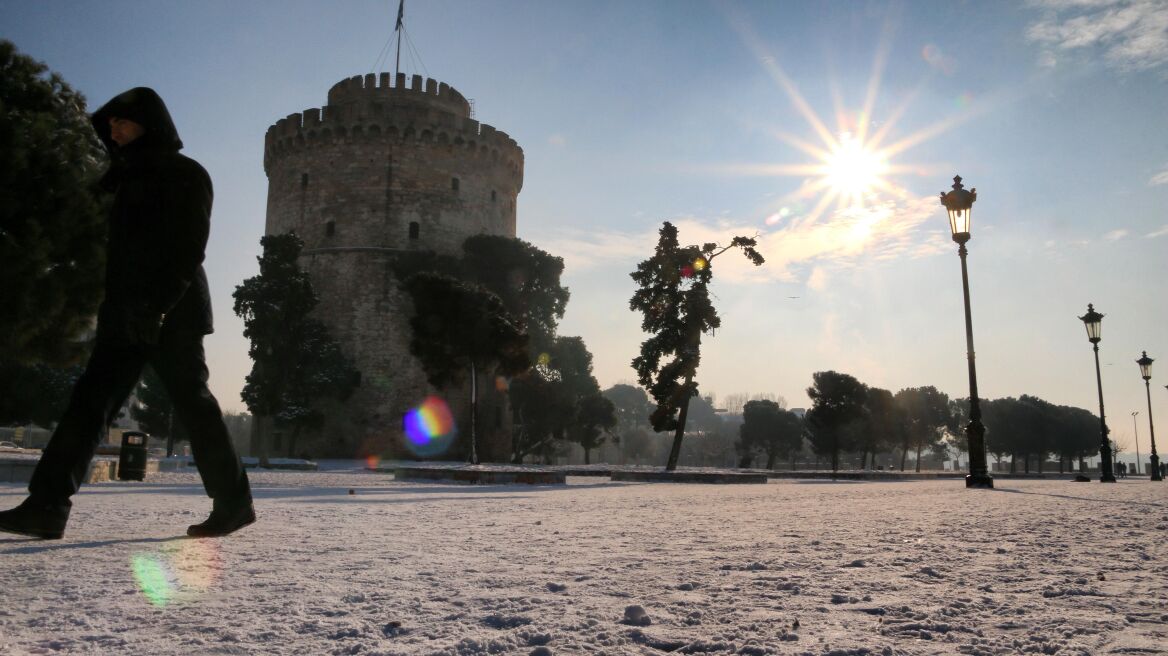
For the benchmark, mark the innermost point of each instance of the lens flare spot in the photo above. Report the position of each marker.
(430, 428)
(700, 264)
(687, 271)
(502, 383)
(153, 581)
(196, 564)
(543, 359)
(177, 572)
(372, 461)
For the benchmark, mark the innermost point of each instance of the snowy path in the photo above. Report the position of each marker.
(1046, 567)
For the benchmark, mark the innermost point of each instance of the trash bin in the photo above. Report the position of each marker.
(132, 459)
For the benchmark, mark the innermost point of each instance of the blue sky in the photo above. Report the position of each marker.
(631, 113)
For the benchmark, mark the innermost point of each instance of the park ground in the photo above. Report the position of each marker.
(345, 561)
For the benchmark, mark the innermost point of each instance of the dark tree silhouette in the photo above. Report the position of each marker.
(52, 237)
(547, 401)
(462, 331)
(674, 300)
(769, 429)
(593, 419)
(525, 278)
(34, 393)
(884, 424)
(296, 362)
(837, 414)
(52, 215)
(927, 414)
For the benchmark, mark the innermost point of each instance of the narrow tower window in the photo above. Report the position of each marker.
(414, 229)
(304, 181)
(454, 184)
(330, 229)
(492, 195)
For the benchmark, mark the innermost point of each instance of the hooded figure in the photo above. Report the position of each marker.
(159, 222)
(156, 310)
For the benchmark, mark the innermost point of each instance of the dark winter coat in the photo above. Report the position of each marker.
(158, 223)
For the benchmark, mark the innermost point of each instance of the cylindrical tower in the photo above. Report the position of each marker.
(379, 171)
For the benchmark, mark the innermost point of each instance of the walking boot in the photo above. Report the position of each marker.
(226, 517)
(36, 519)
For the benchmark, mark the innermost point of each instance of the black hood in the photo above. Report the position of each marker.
(143, 106)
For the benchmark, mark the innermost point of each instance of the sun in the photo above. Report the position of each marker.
(853, 170)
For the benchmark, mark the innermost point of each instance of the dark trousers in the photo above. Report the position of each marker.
(111, 374)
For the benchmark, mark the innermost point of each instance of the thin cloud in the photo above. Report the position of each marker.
(1160, 178)
(1159, 233)
(795, 248)
(1132, 34)
(1115, 235)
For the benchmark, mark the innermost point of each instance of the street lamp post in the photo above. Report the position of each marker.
(959, 204)
(1146, 372)
(1094, 323)
(1136, 437)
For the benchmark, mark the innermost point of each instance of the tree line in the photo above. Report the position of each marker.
(848, 417)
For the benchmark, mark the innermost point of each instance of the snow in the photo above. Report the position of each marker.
(596, 567)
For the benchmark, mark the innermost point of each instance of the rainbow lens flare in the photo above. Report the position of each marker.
(700, 263)
(430, 428)
(177, 572)
(372, 461)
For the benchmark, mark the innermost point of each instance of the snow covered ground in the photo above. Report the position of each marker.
(791, 567)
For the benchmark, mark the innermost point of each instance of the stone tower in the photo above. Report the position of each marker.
(381, 170)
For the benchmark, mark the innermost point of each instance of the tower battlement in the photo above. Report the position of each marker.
(370, 108)
(375, 88)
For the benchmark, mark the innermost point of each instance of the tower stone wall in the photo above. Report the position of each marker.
(381, 170)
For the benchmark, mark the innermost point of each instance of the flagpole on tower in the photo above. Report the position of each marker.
(401, 7)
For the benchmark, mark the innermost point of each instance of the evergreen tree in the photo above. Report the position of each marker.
(525, 278)
(154, 411)
(593, 418)
(297, 363)
(34, 393)
(927, 415)
(463, 331)
(769, 429)
(548, 401)
(632, 408)
(674, 300)
(837, 414)
(52, 237)
(52, 216)
(884, 424)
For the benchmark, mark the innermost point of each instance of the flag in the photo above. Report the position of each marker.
(401, 10)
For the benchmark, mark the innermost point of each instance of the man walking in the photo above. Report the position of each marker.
(156, 310)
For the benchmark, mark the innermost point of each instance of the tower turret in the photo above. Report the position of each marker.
(380, 170)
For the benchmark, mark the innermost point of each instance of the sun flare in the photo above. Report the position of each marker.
(852, 170)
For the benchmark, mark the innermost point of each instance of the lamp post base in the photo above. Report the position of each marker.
(1156, 476)
(984, 481)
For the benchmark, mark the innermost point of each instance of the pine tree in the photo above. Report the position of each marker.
(837, 414)
(297, 363)
(52, 217)
(674, 300)
(463, 331)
